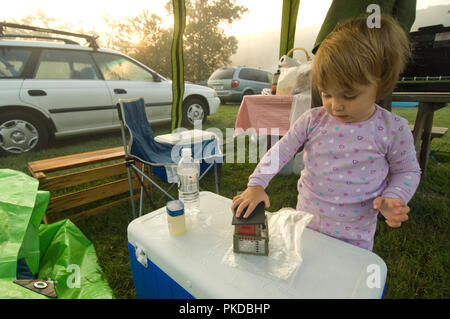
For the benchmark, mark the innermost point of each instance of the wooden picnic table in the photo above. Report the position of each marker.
(429, 102)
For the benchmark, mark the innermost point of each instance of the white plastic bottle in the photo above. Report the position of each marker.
(188, 187)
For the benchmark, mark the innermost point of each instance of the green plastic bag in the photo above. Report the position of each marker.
(18, 194)
(30, 245)
(59, 251)
(70, 258)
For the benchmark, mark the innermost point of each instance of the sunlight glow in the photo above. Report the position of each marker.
(263, 15)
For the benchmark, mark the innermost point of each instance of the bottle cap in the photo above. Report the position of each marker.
(175, 208)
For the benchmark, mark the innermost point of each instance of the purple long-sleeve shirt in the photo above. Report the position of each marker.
(346, 168)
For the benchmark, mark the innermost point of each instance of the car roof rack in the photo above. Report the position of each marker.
(92, 40)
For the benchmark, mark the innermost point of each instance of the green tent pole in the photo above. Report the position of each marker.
(179, 12)
(288, 23)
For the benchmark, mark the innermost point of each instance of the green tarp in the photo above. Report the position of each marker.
(58, 251)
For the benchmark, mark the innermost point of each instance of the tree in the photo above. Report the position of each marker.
(206, 47)
(42, 20)
(143, 38)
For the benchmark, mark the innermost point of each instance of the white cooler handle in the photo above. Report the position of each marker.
(141, 256)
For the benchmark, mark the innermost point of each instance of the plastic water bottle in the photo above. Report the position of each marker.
(188, 174)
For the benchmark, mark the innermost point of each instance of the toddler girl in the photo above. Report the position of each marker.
(359, 158)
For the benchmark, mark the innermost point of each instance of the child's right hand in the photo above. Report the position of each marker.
(250, 198)
(393, 209)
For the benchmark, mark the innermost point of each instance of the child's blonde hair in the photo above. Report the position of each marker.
(354, 54)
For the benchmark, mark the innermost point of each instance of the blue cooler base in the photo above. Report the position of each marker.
(152, 282)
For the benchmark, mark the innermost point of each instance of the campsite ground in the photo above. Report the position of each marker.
(416, 254)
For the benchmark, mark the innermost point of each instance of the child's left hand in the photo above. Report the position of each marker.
(393, 209)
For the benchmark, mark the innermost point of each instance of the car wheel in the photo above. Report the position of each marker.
(194, 109)
(20, 133)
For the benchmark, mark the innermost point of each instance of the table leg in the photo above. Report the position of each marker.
(418, 126)
(426, 140)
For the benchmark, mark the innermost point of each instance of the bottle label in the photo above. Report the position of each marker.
(188, 183)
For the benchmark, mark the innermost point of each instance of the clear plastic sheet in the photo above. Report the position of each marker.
(285, 254)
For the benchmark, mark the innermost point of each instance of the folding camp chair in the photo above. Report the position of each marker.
(143, 148)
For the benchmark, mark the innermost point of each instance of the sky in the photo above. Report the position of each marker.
(263, 15)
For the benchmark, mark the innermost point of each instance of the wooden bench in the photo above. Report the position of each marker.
(40, 169)
(429, 103)
(436, 131)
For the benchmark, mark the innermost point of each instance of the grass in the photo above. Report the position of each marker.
(416, 255)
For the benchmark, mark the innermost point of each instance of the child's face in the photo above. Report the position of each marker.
(348, 107)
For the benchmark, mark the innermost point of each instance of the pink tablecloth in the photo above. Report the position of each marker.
(264, 112)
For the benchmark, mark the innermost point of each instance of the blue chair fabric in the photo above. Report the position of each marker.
(144, 147)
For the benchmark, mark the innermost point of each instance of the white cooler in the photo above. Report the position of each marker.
(191, 266)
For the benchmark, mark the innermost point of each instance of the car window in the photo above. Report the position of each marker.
(267, 77)
(260, 76)
(115, 67)
(254, 75)
(247, 74)
(64, 64)
(13, 61)
(222, 74)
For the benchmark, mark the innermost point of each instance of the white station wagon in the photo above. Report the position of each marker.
(50, 89)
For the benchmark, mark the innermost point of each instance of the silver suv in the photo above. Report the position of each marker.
(50, 89)
(232, 83)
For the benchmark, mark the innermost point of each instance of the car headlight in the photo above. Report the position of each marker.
(215, 93)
